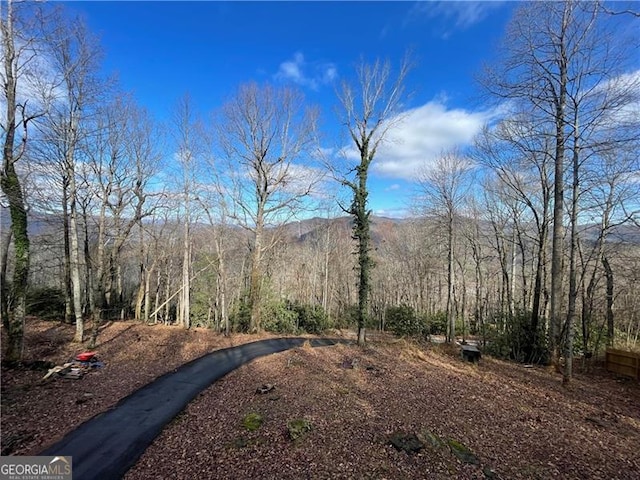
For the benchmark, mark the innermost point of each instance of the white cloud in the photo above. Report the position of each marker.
(307, 74)
(392, 187)
(625, 88)
(39, 85)
(458, 15)
(421, 136)
(397, 213)
(302, 179)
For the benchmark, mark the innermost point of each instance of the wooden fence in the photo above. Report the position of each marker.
(623, 363)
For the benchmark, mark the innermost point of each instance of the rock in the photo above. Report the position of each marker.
(462, 453)
(409, 443)
(431, 439)
(266, 388)
(350, 363)
(490, 474)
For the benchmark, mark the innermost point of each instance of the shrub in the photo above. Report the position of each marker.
(252, 421)
(279, 317)
(46, 303)
(282, 316)
(436, 323)
(517, 340)
(312, 318)
(240, 317)
(403, 321)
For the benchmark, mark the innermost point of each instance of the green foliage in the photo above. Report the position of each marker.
(203, 289)
(436, 323)
(298, 428)
(312, 318)
(348, 317)
(279, 317)
(403, 321)
(252, 421)
(240, 317)
(46, 303)
(512, 337)
(282, 316)
(597, 338)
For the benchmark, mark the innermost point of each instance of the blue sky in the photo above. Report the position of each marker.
(162, 50)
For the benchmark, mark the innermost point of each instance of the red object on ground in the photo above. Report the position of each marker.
(85, 356)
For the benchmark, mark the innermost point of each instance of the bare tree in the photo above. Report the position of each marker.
(123, 157)
(19, 58)
(558, 57)
(443, 188)
(520, 157)
(370, 109)
(267, 138)
(188, 152)
(75, 56)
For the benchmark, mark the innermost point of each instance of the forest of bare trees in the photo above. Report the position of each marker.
(529, 239)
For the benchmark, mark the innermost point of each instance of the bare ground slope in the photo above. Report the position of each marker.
(518, 422)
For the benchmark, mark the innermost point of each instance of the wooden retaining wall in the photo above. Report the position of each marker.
(623, 363)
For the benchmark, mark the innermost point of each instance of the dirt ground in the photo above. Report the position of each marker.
(344, 404)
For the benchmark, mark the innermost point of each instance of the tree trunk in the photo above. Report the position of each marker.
(75, 254)
(362, 235)
(222, 289)
(255, 278)
(12, 189)
(68, 289)
(557, 247)
(88, 265)
(4, 293)
(98, 291)
(451, 318)
(185, 300)
(573, 285)
(610, 325)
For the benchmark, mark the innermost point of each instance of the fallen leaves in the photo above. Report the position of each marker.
(519, 423)
(493, 420)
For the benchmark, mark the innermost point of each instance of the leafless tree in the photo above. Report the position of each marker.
(19, 76)
(443, 188)
(558, 58)
(75, 55)
(266, 139)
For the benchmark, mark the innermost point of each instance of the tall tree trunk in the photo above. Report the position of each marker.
(98, 292)
(557, 247)
(88, 265)
(185, 300)
(74, 251)
(573, 281)
(4, 262)
(142, 284)
(12, 189)
(512, 288)
(68, 289)
(222, 288)
(362, 235)
(536, 305)
(451, 318)
(147, 294)
(255, 277)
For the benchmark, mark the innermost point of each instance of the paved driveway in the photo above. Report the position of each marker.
(106, 446)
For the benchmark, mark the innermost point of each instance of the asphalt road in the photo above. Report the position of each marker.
(107, 445)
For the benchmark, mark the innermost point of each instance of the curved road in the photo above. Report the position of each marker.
(106, 446)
